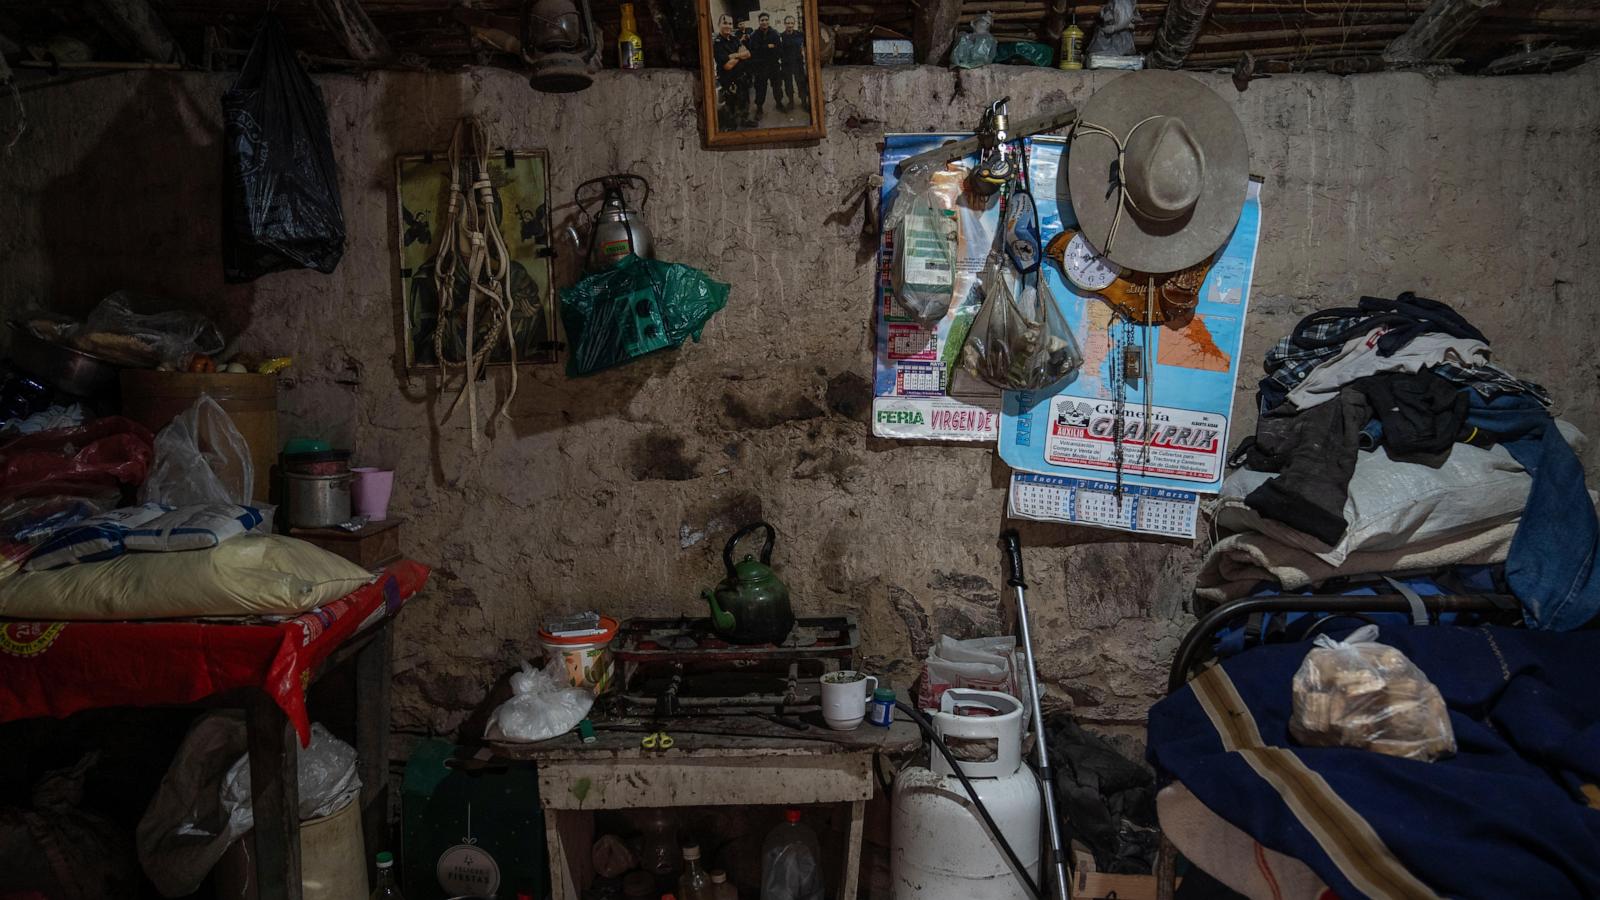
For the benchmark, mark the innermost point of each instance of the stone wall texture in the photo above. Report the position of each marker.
(617, 492)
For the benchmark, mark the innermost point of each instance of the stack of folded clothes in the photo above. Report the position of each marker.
(1388, 443)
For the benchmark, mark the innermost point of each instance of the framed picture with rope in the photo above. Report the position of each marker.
(484, 264)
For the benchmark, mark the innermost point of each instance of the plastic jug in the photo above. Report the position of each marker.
(791, 864)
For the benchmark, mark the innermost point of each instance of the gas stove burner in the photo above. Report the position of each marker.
(674, 665)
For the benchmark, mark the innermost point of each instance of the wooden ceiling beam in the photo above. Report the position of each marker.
(1439, 28)
(354, 28)
(1180, 27)
(136, 26)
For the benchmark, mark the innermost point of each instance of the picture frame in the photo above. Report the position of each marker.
(521, 181)
(771, 94)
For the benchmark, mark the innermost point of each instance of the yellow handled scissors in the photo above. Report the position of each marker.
(657, 740)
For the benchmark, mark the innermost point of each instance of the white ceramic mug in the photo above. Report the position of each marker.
(845, 695)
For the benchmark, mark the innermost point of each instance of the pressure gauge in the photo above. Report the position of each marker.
(1085, 267)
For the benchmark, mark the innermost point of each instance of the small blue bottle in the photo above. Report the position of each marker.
(881, 711)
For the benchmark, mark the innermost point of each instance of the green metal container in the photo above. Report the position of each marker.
(470, 826)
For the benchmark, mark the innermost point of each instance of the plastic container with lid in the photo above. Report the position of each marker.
(721, 888)
(585, 653)
(880, 711)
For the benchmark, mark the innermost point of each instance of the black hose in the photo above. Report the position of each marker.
(972, 792)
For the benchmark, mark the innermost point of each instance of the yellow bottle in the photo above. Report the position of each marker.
(1072, 45)
(630, 47)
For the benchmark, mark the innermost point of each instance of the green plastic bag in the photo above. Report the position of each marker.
(635, 308)
(1024, 53)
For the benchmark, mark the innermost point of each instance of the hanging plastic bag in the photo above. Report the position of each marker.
(633, 309)
(924, 219)
(1360, 693)
(281, 188)
(976, 47)
(200, 458)
(1019, 341)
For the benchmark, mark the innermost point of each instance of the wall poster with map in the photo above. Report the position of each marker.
(1176, 422)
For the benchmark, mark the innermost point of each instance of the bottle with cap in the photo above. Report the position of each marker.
(694, 883)
(387, 888)
(791, 861)
(721, 888)
(630, 47)
(1072, 44)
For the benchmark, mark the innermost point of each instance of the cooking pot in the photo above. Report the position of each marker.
(63, 368)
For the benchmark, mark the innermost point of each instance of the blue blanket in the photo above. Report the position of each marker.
(1515, 813)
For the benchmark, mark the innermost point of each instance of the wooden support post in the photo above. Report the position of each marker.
(134, 24)
(1055, 21)
(374, 666)
(360, 37)
(1439, 28)
(850, 879)
(1180, 27)
(275, 799)
(933, 29)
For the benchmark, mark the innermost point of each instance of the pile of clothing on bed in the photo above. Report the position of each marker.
(1388, 443)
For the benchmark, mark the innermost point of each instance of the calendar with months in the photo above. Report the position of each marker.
(1077, 501)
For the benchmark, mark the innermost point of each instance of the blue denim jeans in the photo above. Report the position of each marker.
(1554, 565)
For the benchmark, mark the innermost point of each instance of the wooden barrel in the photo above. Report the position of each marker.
(153, 399)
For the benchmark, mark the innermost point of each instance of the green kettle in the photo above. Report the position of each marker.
(751, 606)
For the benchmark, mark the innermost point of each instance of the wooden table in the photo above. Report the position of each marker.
(274, 763)
(739, 760)
(263, 668)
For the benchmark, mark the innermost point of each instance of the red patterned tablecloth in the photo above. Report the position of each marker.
(59, 668)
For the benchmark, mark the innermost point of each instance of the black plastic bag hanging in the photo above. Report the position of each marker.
(281, 188)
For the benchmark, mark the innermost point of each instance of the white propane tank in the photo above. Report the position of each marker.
(941, 849)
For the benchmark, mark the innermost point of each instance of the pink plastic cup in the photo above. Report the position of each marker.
(370, 492)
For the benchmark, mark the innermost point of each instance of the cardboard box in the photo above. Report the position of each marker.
(891, 52)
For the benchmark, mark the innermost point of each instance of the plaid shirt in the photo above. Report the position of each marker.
(1288, 363)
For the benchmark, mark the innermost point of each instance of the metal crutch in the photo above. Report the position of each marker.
(1058, 844)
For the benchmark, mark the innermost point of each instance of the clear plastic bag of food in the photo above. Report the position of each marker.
(1360, 693)
(977, 47)
(1020, 341)
(925, 221)
(117, 331)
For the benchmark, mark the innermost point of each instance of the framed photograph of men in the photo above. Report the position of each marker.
(759, 72)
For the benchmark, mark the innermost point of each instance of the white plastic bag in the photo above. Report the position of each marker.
(543, 705)
(203, 804)
(1360, 693)
(200, 458)
(981, 664)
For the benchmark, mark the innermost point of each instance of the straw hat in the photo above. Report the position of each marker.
(1184, 170)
